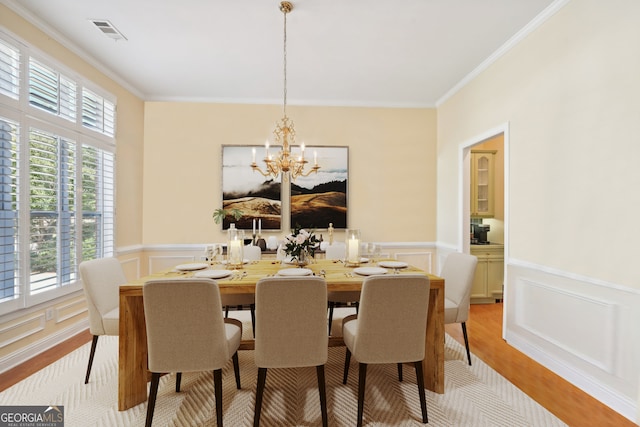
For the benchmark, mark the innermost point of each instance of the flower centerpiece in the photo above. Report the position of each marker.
(300, 245)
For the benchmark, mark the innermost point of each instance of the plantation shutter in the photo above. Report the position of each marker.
(9, 253)
(9, 70)
(98, 203)
(52, 201)
(97, 113)
(51, 91)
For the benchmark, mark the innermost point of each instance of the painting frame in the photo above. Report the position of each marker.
(321, 198)
(257, 196)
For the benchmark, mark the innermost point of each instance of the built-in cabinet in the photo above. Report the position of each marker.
(488, 282)
(482, 183)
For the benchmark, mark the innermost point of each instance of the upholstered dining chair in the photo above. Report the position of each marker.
(186, 333)
(240, 301)
(101, 279)
(291, 332)
(458, 273)
(389, 328)
(337, 251)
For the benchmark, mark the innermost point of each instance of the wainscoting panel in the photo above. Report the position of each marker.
(131, 268)
(21, 329)
(163, 262)
(583, 329)
(421, 260)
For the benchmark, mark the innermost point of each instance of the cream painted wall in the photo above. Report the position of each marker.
(570, 93)
(392, 160)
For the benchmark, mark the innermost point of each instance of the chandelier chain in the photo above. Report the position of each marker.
(284, 109)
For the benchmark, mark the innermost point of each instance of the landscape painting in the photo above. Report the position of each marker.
(321, 198)
(256, 196)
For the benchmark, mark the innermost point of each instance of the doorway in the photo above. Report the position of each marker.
(497, 140)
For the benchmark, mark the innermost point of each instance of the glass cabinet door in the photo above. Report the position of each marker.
(482, 186)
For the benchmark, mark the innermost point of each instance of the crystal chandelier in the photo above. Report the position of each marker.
(285, 162)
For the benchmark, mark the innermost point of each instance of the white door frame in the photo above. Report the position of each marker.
(464, 194)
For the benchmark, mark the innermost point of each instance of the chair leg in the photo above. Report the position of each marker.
(94, 343)
(153, 392)
(236, 369)
(217, 387)
(252, 307)
(466, 341)
(357, 306)
(421, 393)
(178, 381)
(400, 372)
(323, 394)
(347, 360)
(362, 379)
(262, 379)
(331, 307)
(226, 311)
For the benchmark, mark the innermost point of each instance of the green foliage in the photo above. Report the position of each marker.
(220, 214)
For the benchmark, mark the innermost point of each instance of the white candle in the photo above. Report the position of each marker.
(302, 150)
(315, 157)
(259, 226)
(235, 252)
(254, 226)
(253, 152)
(352, 251)
(266, 148)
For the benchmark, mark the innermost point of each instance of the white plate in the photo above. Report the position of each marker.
(363, 260)
(191, 267)
(213, 274)
(369, 271)
(294, 272)
(244, 261)
(393, 264)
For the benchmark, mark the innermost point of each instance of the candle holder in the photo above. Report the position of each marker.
(261, 243)
(352, 255)
(235, 243)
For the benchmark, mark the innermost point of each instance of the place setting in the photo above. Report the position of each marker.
(396, 266)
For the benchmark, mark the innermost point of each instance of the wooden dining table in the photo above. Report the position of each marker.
(132, 361)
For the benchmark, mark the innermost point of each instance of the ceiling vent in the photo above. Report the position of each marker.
(108, 29)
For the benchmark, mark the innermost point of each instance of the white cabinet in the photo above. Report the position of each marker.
(489, 278)
(482, 183)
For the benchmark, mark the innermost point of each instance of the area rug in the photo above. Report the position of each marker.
(474, 395)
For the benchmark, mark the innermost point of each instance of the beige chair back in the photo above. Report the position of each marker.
(335, 251)
(392, 319)
(458, 274)
(252, 253)
(185, 328)
(101, 280)
(291, 322)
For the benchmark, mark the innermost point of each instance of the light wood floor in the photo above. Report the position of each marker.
(484, 327)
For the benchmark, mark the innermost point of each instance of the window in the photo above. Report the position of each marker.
(57, 171)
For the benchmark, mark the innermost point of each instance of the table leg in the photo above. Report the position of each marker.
(433, 363)
(132, 364)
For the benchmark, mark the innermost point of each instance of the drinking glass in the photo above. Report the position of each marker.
(373, 251)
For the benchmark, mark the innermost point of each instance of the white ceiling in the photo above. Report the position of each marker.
(402, 53)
